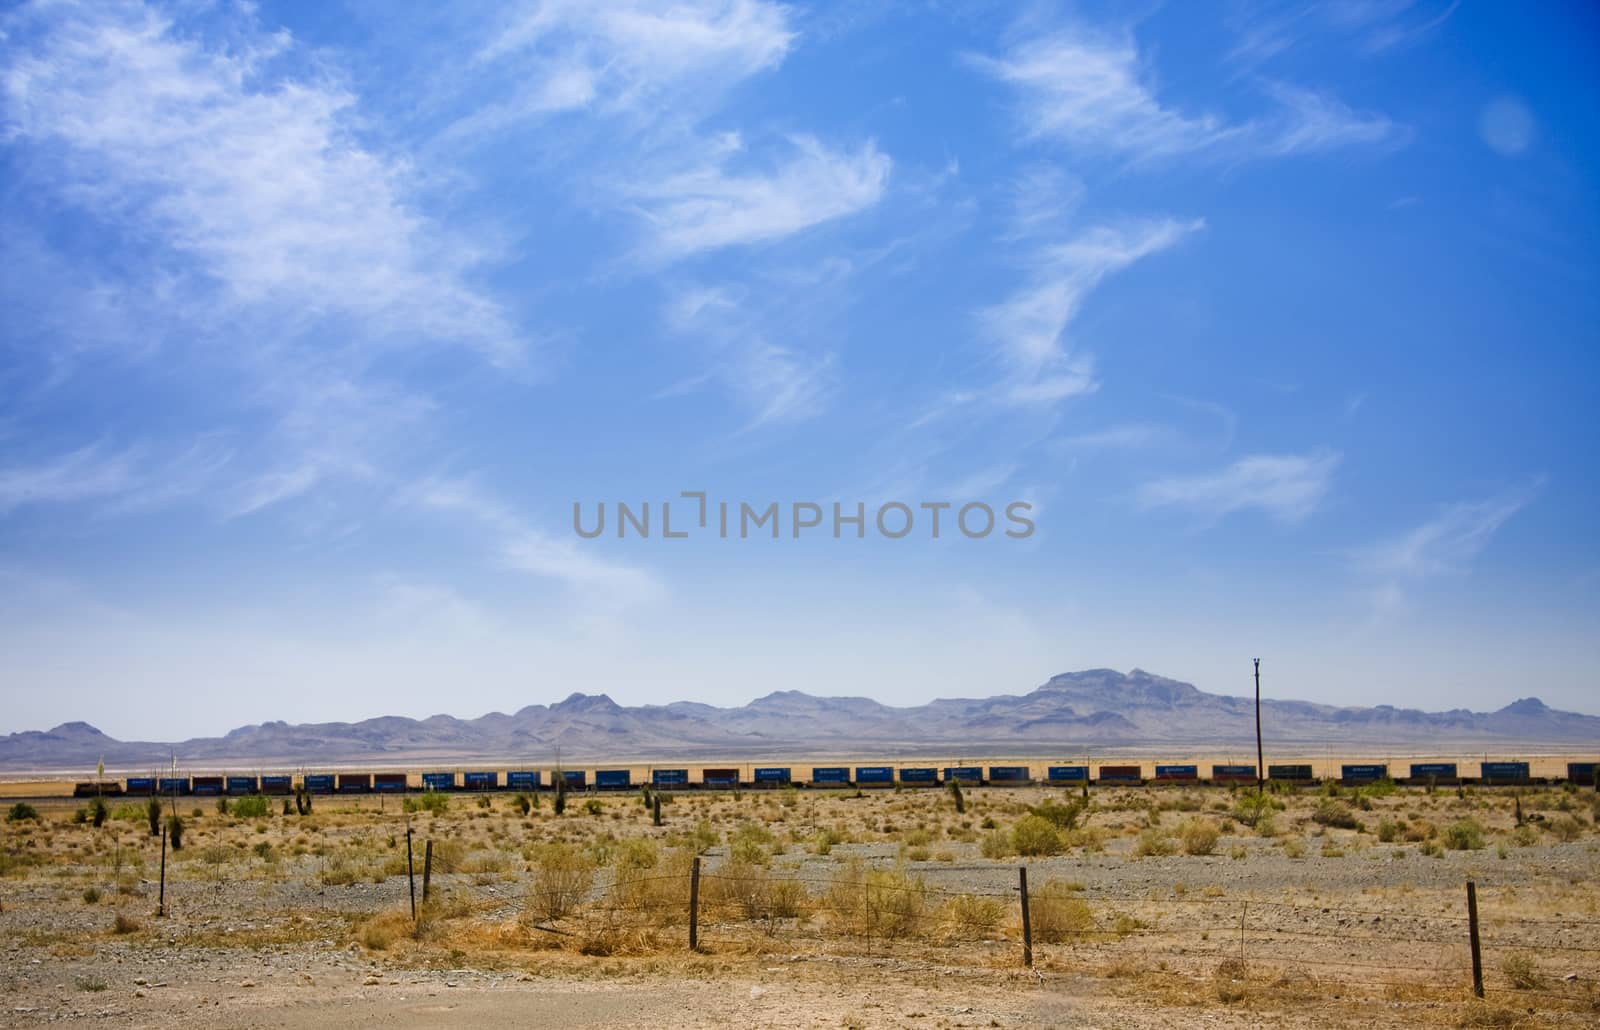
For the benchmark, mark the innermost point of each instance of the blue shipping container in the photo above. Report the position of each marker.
(773, 775)
(522, 779)
(141, 784)
(613, 779)
(1581, 773)
(1442, 770)
(277, 784)
(439, 781)
(174, 784)
(925, 776)
(1363, 772)
(241, 785)
(1177, 772)
(874, 774)
(669, 777)
(964, 773)
(575, 778)
(319, 783)
(830, 774)
(1009, 774)
(1505, 772)
(1067, 773)
(1233, 772)
(480, 780)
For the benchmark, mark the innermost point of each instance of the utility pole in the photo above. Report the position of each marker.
(1261, 770)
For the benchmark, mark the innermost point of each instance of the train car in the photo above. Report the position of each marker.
(575, 779)
(438, 782)
(390, 783)
(1583, 774)
(613, 779)
(1356, 774)
(1425, 774)
(830, 776)
(318, 783)
(238, 785)
(174, 785)
(968, 774)
(874, 776)
(719, 779)
(669, 778)
(97, 789)
(1297, 774)
(1233, 774)
(772, 776)
(355, 783)
(277, 784)
(921, 777)
(1010, 775)
(1503, 773)
(1059, 774)
(141, 786)
(208, 786)
(524, 779)
(1177, 774)
(1121, 774)
(481, 780)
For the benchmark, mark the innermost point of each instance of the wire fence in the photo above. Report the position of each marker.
(991, 920)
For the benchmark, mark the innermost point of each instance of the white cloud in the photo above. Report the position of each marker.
(257, 177)
(1286, 487)
(83, 474)
(1027, 328)
(1091, 92)
(1447, 543)
(710, 205)
(525, 548)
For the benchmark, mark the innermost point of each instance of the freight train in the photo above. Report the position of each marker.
(1489, 773)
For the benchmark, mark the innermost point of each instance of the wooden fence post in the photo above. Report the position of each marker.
(1027, 925)
(694, 905)
(411, 875)
(427, 869)
(1472, 932)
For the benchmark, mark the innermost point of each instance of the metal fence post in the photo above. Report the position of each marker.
(427, 868)
(1027, 925)
(694, 905)
(1472, 931)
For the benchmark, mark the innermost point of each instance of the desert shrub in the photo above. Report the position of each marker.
(449, 855)
(1388, 830)
(1198, 836)
(1089, 838)
(222, 806)
(1035, 835)
(1464, 835)
(1062, 817)
(1228, 980)
(1521, 971)
(380, 931)
(996, 844)
(877, 902)
(1294, 847)
(1337, 814)
(339, 871)
(252, 807)
(124, 923)
(523, 803)
(1253, 808)
(1565, 828)
(562, 876)
(749, 843)
(969, 916)
(98, 812)
(957, 797)
(91, 895)
(1055, 912)
(1524, 836)
(175, 832)
(825, 839)
(1153, 843)
(593, 806)
(436, 802)
(20, 811)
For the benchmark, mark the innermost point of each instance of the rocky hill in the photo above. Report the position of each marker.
(1097, 708)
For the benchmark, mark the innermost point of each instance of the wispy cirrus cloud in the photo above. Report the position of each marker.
(713, 203)
(1091, 92)
(255, 175)
(1267, 29)
(1449, 542)
(523, 547)
(1027, 329)
(1286, 487)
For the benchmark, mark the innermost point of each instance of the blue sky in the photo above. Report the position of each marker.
(320, 318)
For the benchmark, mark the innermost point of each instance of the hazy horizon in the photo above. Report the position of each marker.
(1278, 330)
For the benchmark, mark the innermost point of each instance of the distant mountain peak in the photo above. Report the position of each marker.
(1526, 706)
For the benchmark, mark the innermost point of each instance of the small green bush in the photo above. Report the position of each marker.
(1035, 835)
(1153, 843)
(20, 811)
(253, 807)
(1464, 835)
(175, 832)
(1337, 814)
(430, 801)
(1198, 836)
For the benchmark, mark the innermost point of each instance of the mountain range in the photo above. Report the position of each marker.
(1072, 712)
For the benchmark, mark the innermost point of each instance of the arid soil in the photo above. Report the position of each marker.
(1178, 906)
